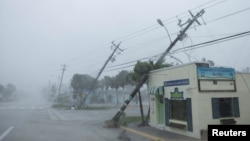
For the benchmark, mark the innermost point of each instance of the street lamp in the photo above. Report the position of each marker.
(160, 23)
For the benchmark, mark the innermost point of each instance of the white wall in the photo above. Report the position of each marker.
(201, 101)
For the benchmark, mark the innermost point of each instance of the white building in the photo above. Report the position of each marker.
(186, 99)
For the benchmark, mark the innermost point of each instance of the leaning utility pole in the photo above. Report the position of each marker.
(110, 57)
(63, 69)
(117, 116)
(105, 64)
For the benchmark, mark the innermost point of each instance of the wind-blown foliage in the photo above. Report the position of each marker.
(160, 64)
(107, 81)
(10, 88)
(141, 69)
(2, 89)
(81, 82)
(122, 78)
(8, 91)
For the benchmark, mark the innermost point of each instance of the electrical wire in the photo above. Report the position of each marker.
(231, 14)
(241, 51)
(248, 87)
(155, 26)
(213, 20)
(119, 68)
(200, 45)
(152, 28)
(222, 17)
(198, 7)
(214, 41)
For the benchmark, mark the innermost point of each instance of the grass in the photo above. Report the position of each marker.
(130, 119)
(124, 121)
(60, 106)
(92, 108)
(133, 119)
(67, 107)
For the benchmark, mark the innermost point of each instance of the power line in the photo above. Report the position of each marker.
(219, 18)
(155, 26)
(200, 45)
(109, 59)
(152, 28)
(154, 56)
(120, 68)
(159, 61)
(213, 20)
(204, 44)
(225, 16)
(228, 15)
(200, 6)
(244, 46)
(134, 61)
(214, 41)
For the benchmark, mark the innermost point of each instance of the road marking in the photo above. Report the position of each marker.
(6, 133)
(52, 115)
(59, 116)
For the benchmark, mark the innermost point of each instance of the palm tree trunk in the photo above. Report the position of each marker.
(141, 108)
(117, 99)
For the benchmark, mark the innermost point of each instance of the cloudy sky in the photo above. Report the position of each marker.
(37, 37)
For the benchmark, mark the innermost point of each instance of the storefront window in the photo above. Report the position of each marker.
(225, 107)
(178, 110)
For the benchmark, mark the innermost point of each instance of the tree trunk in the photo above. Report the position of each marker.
(117, 98)
(141, 108)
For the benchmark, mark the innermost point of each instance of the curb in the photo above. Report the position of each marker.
(151, 137)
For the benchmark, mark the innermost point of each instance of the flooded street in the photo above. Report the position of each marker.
(29, 121)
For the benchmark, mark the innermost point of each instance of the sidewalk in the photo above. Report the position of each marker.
(155, 134)
(147, 132)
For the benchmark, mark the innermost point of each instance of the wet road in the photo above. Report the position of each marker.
(38, 122)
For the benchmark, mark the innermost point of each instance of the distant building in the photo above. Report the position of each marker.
(186, 99)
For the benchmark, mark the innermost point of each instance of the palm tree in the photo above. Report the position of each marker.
(141, 72)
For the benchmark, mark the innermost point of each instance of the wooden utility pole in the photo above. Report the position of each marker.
(100, 72)
(105, 64)
(63, 69)
(145, 78)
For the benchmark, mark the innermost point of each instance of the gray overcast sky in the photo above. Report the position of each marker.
(38, 36)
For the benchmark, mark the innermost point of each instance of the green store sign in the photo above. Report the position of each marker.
(176, 95)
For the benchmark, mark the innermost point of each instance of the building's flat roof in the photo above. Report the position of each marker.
(177, 66)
